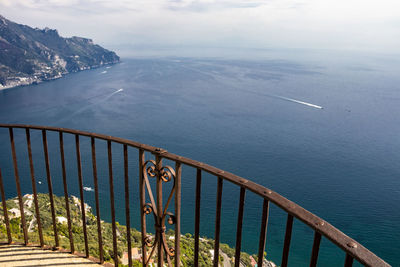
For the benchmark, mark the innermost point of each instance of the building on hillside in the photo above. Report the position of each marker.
(136, 255)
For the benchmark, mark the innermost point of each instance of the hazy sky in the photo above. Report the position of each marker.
(323, 24)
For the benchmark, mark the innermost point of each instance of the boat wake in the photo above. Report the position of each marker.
(298, 101)
(107, 95)
(286, 99)
(90, 105)
(116, 92)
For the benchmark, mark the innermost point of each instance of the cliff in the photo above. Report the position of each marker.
(29, 55)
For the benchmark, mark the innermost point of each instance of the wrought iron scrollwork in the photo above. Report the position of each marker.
(167, 173)
(171, 218)
(148, 241)
(162, 174)
(150, 170)
(148, 208)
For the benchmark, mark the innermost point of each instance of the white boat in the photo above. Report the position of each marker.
(89, 189)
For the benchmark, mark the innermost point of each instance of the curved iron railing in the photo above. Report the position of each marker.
(163, 174)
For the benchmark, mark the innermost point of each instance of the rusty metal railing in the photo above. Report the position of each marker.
(154, 168)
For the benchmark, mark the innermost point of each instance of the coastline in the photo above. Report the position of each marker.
(25, 81)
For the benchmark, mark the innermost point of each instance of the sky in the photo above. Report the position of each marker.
(362, 25)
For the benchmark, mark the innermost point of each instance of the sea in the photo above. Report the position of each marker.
(320, 128)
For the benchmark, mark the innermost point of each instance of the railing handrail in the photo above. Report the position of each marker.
(349, 245)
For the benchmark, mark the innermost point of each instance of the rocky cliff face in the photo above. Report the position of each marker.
(30, 55)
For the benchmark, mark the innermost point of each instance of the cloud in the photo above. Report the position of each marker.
(209, 5)
(331, 24)
(88, 6)
(138, 5)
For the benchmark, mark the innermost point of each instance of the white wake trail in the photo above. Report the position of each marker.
(90, 105)
(298, 101)
(116, 92)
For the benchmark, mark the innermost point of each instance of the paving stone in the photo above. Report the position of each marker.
(17, 255)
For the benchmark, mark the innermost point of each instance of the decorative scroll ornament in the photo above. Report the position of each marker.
(148, 241)
(147, 209)
(165, 174)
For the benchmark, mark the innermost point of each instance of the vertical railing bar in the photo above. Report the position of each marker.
(217, 222)
(315, 249)
(110, 173)
(197, 218)
(18, 184)
(66, 197)
(35, 200)
(263, 232)
(127, 213)
(160, 251)
(239, 227)
(348, 261)
(80, 178)
(50, 186)
(142, 188)
(288, 236)
(5, 211)
(96, 195)
(178, 174)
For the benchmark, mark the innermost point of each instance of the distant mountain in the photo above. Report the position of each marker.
(30, 55)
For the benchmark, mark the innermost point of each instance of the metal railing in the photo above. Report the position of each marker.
(154, 168)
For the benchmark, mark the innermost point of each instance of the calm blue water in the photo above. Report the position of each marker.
(341, 162)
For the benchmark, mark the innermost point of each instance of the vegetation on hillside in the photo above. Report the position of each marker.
(187, 241)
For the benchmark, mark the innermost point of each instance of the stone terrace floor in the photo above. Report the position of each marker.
(17, 255)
